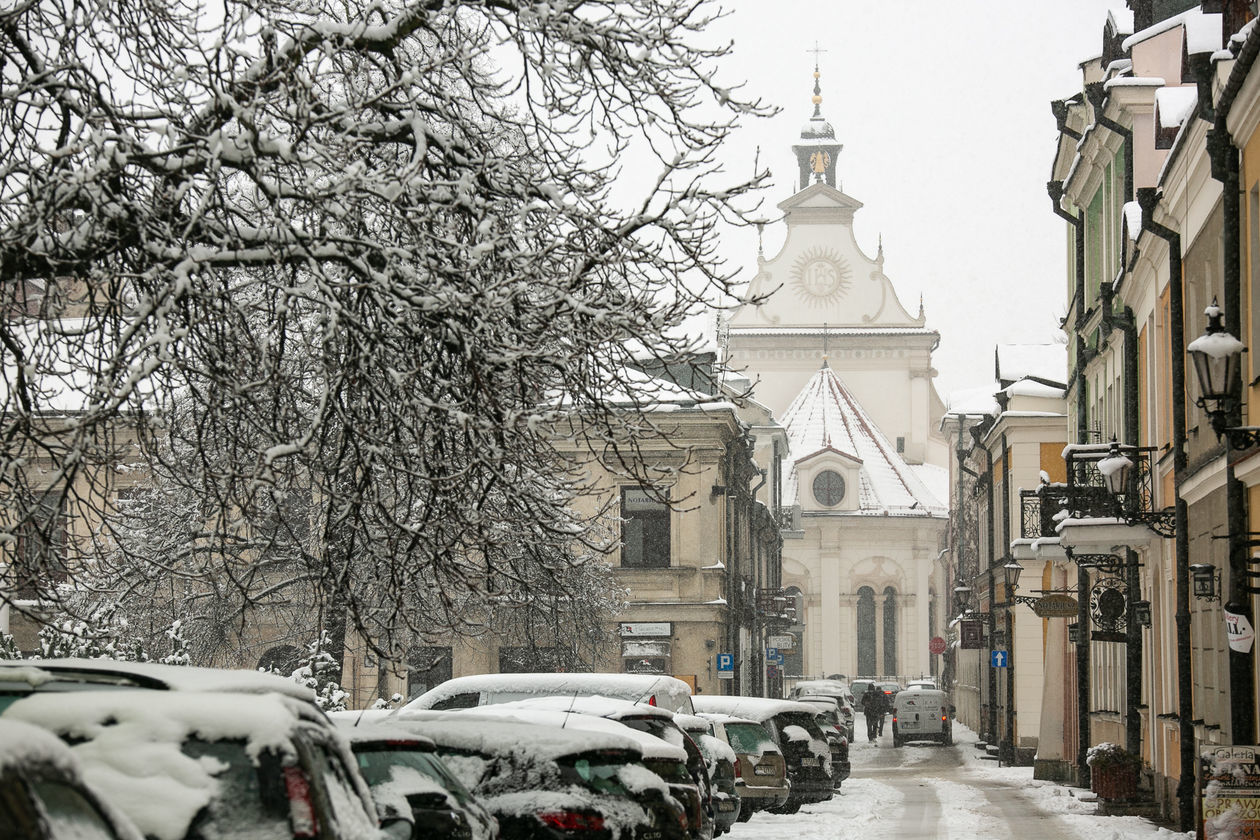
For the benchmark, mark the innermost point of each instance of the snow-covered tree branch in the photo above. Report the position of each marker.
(329, 279)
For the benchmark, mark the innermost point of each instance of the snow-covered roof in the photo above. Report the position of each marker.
(825, 417)
(1203, 30)
(1044, 361)
(1033, 388)
(751, 708)
(972, 401)
(1121, 20)
(647, 744)
(115, 674)
(670, 693)
(613, 708)
(1176, 105)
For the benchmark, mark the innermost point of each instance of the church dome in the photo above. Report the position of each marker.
(818, 129)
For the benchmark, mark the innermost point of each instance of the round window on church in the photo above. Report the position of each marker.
(829, 488)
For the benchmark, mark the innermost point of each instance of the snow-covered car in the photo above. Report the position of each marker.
(922, 714)
(406, 775)
(43, 795)
(760, 771)
(695, 793)
(488, 689)
(191, 764)
(828, 719)
(837, 690)
(19, 678)
(802, 742)
(720, 761)
(544, 782)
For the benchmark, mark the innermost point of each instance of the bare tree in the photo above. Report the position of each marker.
(370, 259)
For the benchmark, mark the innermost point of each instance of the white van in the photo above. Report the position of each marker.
(489, 689)
(922, 714)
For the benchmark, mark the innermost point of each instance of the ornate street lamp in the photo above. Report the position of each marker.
(1142, 613)
(1216, 355)
(1010, 573)
(1116, 469)
(1074, 634)
(962, 597)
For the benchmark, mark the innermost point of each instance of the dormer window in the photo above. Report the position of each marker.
(829, 488)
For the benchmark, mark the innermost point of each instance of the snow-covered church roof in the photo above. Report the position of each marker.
(825, 417)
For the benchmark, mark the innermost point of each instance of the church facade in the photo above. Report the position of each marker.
(847, 370)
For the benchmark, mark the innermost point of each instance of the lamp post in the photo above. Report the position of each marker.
(1217, 357)
(1010, 576)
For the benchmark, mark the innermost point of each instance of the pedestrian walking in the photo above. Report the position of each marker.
(874, 706)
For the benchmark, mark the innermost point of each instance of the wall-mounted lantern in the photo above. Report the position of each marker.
(1203, 579)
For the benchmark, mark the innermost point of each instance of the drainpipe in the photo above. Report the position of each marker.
(1097, 98)
(993, 721)
(1242, 690)
(1149, 197)
(1133, 585)
(1055, 189)
(1012, 754)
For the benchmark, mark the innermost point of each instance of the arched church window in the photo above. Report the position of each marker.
(866, 632)
(829, 488)
(890, 630)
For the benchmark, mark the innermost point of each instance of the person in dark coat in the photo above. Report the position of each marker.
(874, 706)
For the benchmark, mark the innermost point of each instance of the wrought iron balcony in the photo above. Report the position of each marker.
(1085, 496)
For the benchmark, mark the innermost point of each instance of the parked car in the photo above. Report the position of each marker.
(760, 769)
(922, 714)
(667, 750)
(20, 678)
(922, 682)
(487, 689)
(43, 795)
(796, 733)
(720, 761)
(828, 719)
(889, 687)
(837, 690)
(406, 775)
(543, 782)
(193, 764)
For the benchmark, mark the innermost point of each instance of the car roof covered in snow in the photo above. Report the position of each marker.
(110, 673)
(649, 746)
(378, 731)
(660, 690)
(753, 708)
(612, 708)
(471, 731)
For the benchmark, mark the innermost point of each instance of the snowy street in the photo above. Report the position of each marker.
(929, 792)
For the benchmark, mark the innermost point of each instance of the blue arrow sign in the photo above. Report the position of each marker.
(998, 659)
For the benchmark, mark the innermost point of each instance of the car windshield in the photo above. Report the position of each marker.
(250, 799)
(749, 738)
(378, 762)
(673, 772)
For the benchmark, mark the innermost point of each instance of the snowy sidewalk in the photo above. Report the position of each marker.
(930, 792)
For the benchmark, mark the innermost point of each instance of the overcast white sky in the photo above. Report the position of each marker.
(943, 108)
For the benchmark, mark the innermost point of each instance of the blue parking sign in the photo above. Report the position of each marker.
(726, 666)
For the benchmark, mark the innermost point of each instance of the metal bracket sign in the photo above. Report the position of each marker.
(726, 666)
(998, 658)
(971, 635)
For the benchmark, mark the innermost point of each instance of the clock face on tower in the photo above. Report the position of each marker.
(820, 275)
(829, 488)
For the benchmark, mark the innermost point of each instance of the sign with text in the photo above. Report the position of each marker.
(647, 628)
(936, 646)
(1231, 793)
(1240, 632)
(726, 666)
(783, 642)
(1056, 605)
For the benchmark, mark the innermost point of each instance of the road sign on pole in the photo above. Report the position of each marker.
(936, 646)
(726, 666)
(998, 659)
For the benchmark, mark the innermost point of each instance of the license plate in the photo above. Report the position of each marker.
(762, 770)
(809, 762)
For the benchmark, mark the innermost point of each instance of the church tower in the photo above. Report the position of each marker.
(817, 152)
(847, 370)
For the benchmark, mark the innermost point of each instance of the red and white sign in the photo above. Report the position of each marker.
(936, 646)
(1239, 632)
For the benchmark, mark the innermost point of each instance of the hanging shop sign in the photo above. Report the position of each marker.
(1108, 605)
(970, 634)
(1231, 792)
(1240, 632)
(1056, 606)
